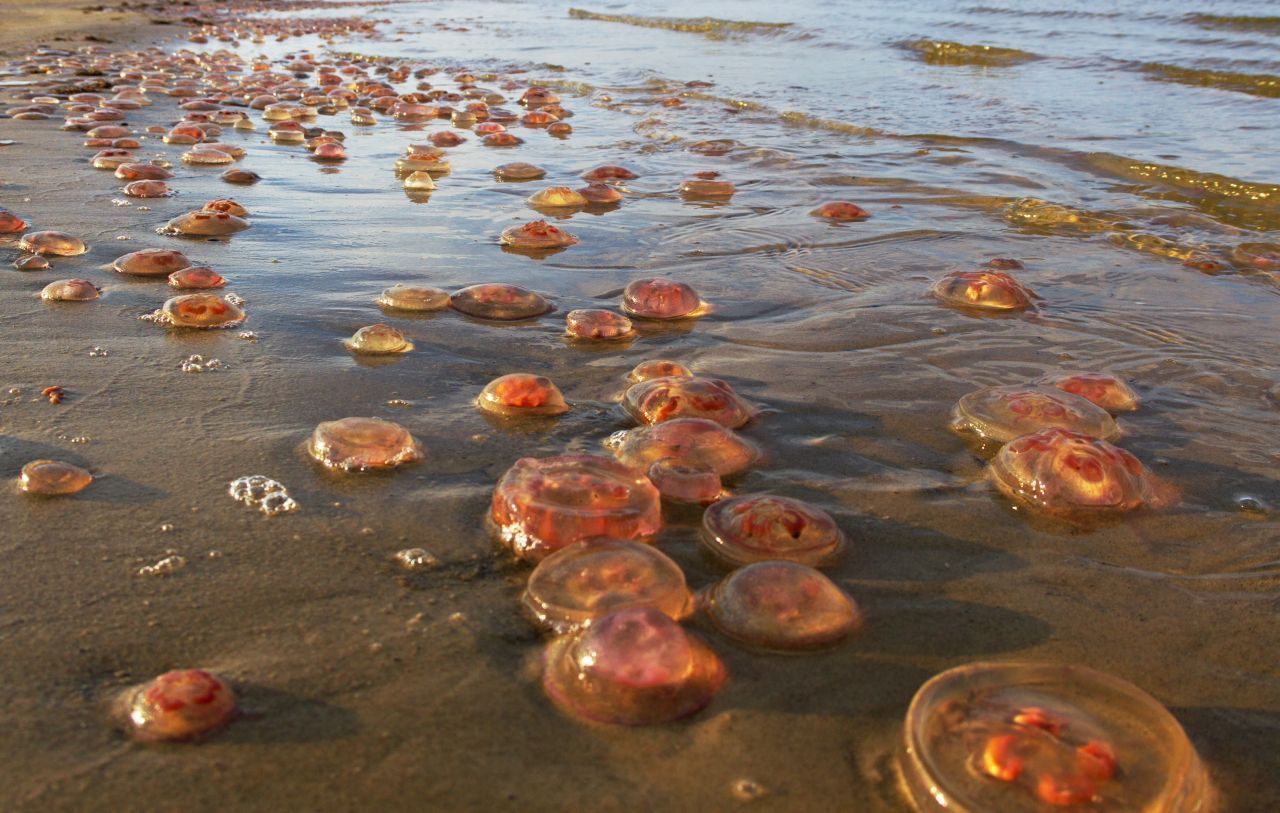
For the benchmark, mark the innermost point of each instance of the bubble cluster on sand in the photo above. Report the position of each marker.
(196, 363)
(168, 565)
(262, 493)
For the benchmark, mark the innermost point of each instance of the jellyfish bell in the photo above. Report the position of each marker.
(706, 188)
(659, 298)
(780, 605)
(1001, 414)
(419, 181)
(226, 206)
(70, 290)
(11, 223)
(600, 194)
(983, 290)
(446, 138)
(522, 394)
(499, 301)
(841, 210)
(413, 298)
(241, 176)
(330, 152)
(362, 444)
(206, 157)
(111, 159)
(557, 197)
(378, 340)
(196, 277)
(694, 443)
(142, 172)
(52, 243)
(657, 368)
(184, 704)
(202, 311)
(519, 171)
(1107, 391)
(31, 262)
(538, 235)
(657, 400)
(205, 224)
(147, 189)
(151, 262)
(758, 528)
(597, 325)
(502, 140)
(52, 478)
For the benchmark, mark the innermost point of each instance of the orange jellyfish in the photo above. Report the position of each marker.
(202, 311)
(599, 325)
(694, 443)
(70, 290)
(1107, 391)
(659, 298)
(841, 210)
(227, 206)
(330, 152)
(559, 128)
(556, 197)
(657, 368)
(378, 340)
(147, 189)
(499, 301)
(54, 243)
(538, 235)
(142, 172)
(707, 188)
(240, 176)
(151, 262)
(663, 399)
(502, 140)
(52, 478)
(761, 528)
(111, 159)
(196, 277)
(184, 704)
(447, 139)
(680, 483)
(609, 172)
(11, 223)
(206, 224)
(780, 605)
(522, 394)
(202, 156)
(362, 444)
(600, 194)
(1003, 413)
(413, 298)
(984, 290)
(519, 171)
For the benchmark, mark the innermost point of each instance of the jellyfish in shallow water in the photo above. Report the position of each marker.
(31, 262)
(841, 210)
(206, 157)
(780, 606)
(447, 139)
(206, 224)
(1257, 256)
(657, 368)
(55, 243)
(180, 705)
(226, 206)
(330, 152)
(413, 298)
(761, 528)
(556, 197)
(202, 311)
(694, 443)
(586, 580)
(707, 188)
(1004, 264)
(240, 176)
(519, 171)
(659, 298)
(538, 235)
(499, 301)
(147, 189)
(600, 194)
(53, 478)
(142, 172)
(196, 277)
(151, 262)
(542, 505)
(985, 290)
(378, 340)
(361, 444)
(419, 182)
(111, 159)
(11, 223)
(680, 483)
(70, 290)
(663, 399)
(522, 394)
(1001, 414)
(599, 325)
(1107, 391)
(632, 667)
(1072, 474)
(609, 172)
(502, 140)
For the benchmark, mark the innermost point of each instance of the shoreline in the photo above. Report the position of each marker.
(74, 23)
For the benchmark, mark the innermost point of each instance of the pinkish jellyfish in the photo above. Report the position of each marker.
(986, 290)
(55, 243)
(556, 197)
(499, 301)
(70, 290)
(519, 172)
(361, 444)
(53, 478)
(489, 128)
(196, 277)
(241, 176)
(31, 262)
(657, 368)
(695, 443)
(206, 224)
(11, 223)
(677, 482)
(538, 97)
(659, 298)
(522, 394)
(502, 140)
(378, 340)
(1001, 414)
(1004, 264)
(542, 505)
(111, 159)
(1257, 256)
(587, 580)
(202, 311)
(633, 667)
(447, 139)
(600, 194)
(537, 118)
(1107, 391)
(609, 172)
(330, 152)
(538, 235)
(841, 210)
(184, 704)
(142, 172)
(413, 298)
(761, 528)
(151, 262)
(227, 206)
(201, 156)
(559, 128)
(423, 162)
(780, 606)
(1072, 474)
(147, 189)
(663, 399)
(707, 188)
(598, 325)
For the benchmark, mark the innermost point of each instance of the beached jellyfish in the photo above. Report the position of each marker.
(1258, 256)
(522, 394)
(695, 443)
(707, 188)
(1001, 414)
(633, 667)
(537, 118)
(542, 505)
(1107, 391)
(502, 140)
(361, 444)
(663, 399)
(203, 156)
(53, 478)
(609, 172)
(680, 483)
(70, 290)
(184, 704)
(142, 172)
(413, 298)
(330, 152)
(111, 159)
(1036, 737)
(288, 132)
(31, 262)
(657, 368)
(658, 298)
(52, 243)
(519, 172)
(1072, 474)
(598, 325)
(556, 197)
(230, 149)
(765, 527)
(841, 210)
(499, 301)
(147, 189)
(447, 138)
(151, 262)
(781, 606)
(987, 290)
(240, 176)
(538, 97)
(538, 235)
(419, 182)
(205, 224)
(11, 223)
(1004, 264)
(560, 129)
(226, 206)
(587, 580)
(378, 340)
(202, 311)
(600, 194)
(196, 277)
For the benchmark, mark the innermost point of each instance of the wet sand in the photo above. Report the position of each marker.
(370, 687)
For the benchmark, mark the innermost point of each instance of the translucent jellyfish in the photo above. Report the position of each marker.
(987, 290)
(633, 667)
(147, 189)
(1004, 264)
(1259, 256)
(11, 223)
(537, 119)
(519, 172)
(1107, 391)
(55, 243)
(202, 311)
(659, 298)
(522, 394)
(598, 324)
(419, 182)
(52, 478)
(680, 483)
(31, 262)
(70, 290)
(1072, 474)
(361, 444)
(1035, 737)
(542, 505)
(330, 152)
(1001, 414)
(499, 301)
(111, 159)
(240, 176)
(184, 704)
(142, 172)
(227, 206)
(489, 128)
(841, 210)
(419, 162)
(761, 528)
(780, 605)
(556, 197)
(378, 340)
(447, 139)
(206, 224)
(413, 298)
(587, 580)
(196, 277)
(657, 368)
(538, 97)
(600, 194)
(609, 172)
(707, 188)
(662, 399)
(206, 157)
(502, 140)
(694, 443)
(559, 128)
(537, 235)
(230, 149)
(151, 262)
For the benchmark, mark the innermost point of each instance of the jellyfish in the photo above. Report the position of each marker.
(538, 235)
(542, 505)
(147, 189)
(421, 162)
(632, 667)
(657, 368)
(499, 301)
(502, 140)
(538, 97)
(663, 399)
(330, 152)
(52, 243)
(240, 176)
(489, 128)
(419, 182)
(537, 118)
(447, 139)
(584, 581)
(11, 223)
(1072, 474)
(1004, 264)
(151, 262)
(599, 325)
(378, 340)
(1257, 256)
(111, 159)
(1107, 391)
(202, 311)
(609, 172)
(707, 188)
(559, 128)
(226, 206)
(680, 483)
(600, 194)
(32, 262)
(780, 605)
(522, 394)
(52, 478)
(184, 704)
(556, 197)
(413, 298)
(984, 290)
(519, 171)
(362, 444)
(759, 528)
(1001, 414)
(142, 172)
(692, 443)
(206, 157)
(206, 224)
(658, 298)
(70, 290)
(841, 210)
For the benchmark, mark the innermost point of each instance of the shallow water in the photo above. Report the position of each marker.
(371, 685)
